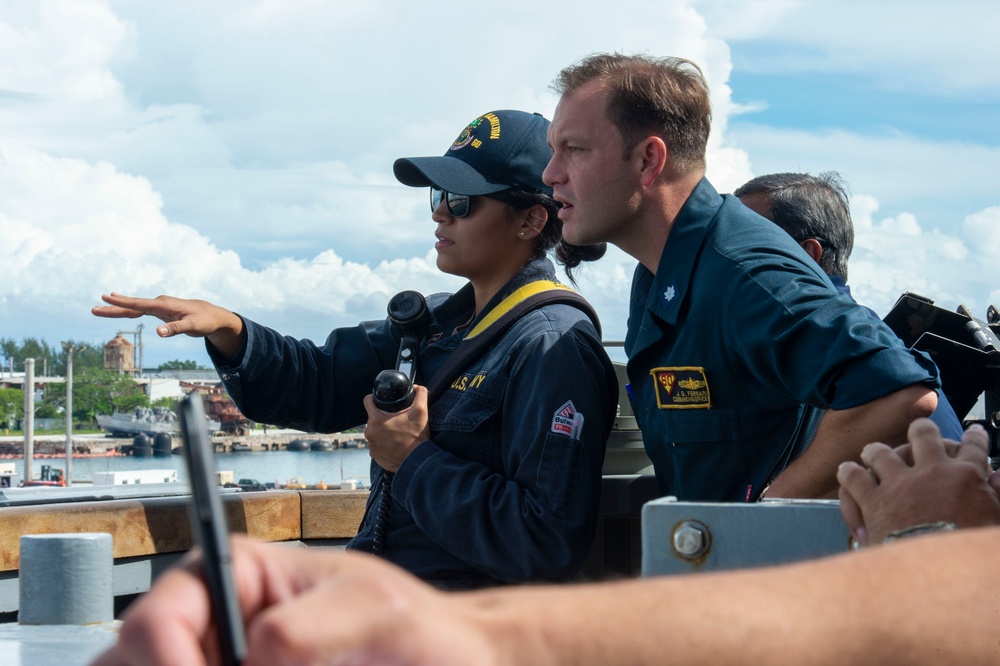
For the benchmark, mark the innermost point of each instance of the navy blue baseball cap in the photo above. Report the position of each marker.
(497, 151)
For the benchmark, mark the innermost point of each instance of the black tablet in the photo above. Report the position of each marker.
(208, 524)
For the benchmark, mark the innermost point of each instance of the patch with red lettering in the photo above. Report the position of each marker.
(684, 387)
(567, 421)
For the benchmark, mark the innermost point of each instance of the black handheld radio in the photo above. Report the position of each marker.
(393, 390)
(408, 313)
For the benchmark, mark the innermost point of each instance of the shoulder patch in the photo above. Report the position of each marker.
(567, 421)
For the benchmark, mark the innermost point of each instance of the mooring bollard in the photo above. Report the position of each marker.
(66, 579)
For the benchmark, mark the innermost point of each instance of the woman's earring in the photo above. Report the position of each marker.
(522, 234)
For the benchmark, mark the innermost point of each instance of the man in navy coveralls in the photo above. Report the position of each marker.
(733, 332)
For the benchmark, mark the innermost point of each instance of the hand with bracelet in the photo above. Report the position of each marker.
(926, 485)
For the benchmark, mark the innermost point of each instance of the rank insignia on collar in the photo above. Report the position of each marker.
(683, 387)
(669, 294)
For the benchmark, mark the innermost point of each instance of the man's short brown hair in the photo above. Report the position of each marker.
(665, 96)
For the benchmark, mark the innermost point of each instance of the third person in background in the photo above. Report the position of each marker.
(814, 211)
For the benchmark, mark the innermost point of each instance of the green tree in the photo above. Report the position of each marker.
(43, 354)
(9, 349)
(178, 364)
(100, 392)
(86, 355)
(90, 357)
(11, 406)
(49, 360)
(168, 402)
(46, 410)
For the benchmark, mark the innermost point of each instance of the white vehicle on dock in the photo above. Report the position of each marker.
(135, 476)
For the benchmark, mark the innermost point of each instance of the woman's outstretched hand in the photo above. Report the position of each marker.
(196, 318)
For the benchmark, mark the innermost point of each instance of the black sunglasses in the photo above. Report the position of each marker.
(459, 205)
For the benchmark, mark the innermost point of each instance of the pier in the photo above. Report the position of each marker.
(287, 442)
(99, 446)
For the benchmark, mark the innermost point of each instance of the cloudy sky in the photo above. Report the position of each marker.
(242, 151)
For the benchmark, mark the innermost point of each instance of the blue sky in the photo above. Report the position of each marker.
(240, 151)
(806, 101)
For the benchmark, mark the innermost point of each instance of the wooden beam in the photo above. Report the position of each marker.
(332, 515)
(148, 526)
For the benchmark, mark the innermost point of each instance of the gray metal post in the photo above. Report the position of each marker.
(29, 416)
(69, 413)
(66, 579)
(139, 328)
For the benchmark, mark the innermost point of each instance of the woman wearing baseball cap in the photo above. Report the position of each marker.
(496, 478)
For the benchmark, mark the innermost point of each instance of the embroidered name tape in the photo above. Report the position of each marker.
(681, 388)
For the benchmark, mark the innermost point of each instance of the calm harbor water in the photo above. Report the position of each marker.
(270, 466)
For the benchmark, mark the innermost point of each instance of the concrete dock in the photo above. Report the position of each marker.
(97, 445)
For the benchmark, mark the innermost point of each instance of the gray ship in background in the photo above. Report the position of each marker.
(146, 421)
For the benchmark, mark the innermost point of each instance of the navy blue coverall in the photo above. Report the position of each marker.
(507, 488)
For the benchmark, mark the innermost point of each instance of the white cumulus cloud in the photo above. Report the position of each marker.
(242, 151)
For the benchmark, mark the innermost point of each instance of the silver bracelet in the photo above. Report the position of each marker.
(917, 530)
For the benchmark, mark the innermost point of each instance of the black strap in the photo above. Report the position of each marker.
(470, 349)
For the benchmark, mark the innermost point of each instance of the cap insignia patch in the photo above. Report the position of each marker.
(467, 137)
